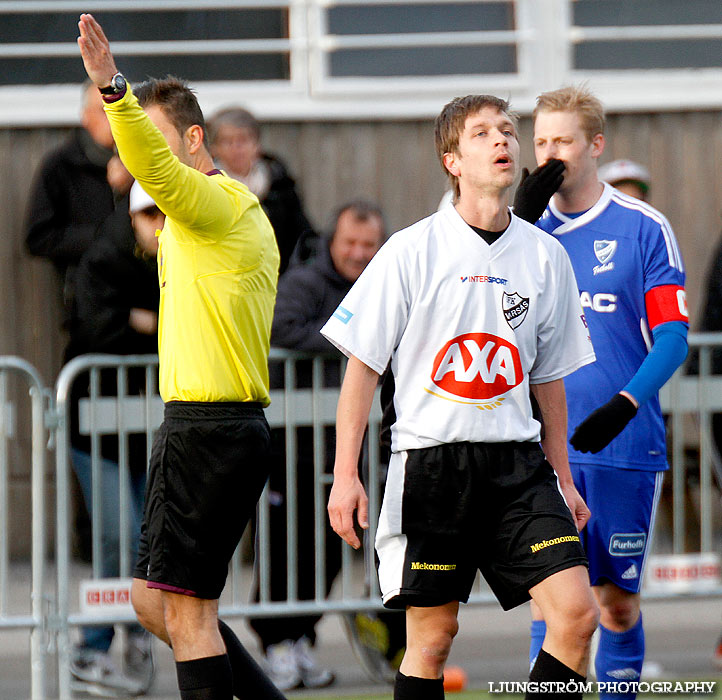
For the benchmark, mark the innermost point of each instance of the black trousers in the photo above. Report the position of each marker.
(272, 630)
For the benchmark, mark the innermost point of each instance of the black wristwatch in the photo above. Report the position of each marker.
(117, 84)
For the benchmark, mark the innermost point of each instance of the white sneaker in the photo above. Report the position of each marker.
(94, 673)
(312, 675)
(138, 659)
(282, 665)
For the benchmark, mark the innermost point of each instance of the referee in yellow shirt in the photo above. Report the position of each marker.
(218, 268)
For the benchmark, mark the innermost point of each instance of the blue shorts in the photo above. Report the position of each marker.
(617, 537)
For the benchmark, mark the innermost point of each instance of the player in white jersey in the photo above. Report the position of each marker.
(472, 308)
(631, 280)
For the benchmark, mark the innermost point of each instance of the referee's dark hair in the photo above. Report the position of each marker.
(177, 100)
(450, 124)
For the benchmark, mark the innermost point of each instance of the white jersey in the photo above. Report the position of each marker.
(467, 327)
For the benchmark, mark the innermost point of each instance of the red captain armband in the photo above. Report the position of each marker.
(666, 303)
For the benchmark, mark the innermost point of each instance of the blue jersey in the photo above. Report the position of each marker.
(631, 278)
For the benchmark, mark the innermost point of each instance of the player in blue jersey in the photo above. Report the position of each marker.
(631, 281)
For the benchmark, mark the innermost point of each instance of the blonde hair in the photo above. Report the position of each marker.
(574, 98)
(450, 124)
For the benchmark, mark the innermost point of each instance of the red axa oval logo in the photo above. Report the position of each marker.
(477, 366)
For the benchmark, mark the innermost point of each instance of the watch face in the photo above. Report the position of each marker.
(118, 82)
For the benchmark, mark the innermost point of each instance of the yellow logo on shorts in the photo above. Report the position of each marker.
(424, 566)
(550, 543)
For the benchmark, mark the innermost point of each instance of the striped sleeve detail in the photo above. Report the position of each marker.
(673, 252)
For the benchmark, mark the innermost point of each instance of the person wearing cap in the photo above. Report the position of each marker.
(626, 176)
(115, 310)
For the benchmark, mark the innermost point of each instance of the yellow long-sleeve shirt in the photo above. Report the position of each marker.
(217, 267)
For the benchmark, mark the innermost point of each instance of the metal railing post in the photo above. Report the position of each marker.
(37, 621)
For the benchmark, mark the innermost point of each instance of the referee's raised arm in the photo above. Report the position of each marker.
(95, 51)
(168, 156)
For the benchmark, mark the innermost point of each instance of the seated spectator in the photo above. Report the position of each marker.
(115, 310)
(235, 136)
(307, 295)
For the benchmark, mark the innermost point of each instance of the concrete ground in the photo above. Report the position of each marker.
(491, 646)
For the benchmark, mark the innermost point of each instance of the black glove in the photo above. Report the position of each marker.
(536, 189)
(599, 428)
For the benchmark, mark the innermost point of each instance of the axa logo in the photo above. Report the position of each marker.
(477, 366)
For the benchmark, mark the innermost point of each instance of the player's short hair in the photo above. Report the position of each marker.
(236, 117)
(574, 98)
(178, 101)
(450, 124)
(362, 211)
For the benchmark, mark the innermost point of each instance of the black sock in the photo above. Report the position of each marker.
(249, 681)
(413, 688)
(209, 678)
(551, 670)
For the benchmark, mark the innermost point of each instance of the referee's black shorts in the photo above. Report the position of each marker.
(454, 509)
(207, 471)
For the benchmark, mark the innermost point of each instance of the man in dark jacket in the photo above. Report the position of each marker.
(71, 195)
(307, 295)
(235, 136)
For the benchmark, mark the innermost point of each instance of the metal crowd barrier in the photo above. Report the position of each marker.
(97, 416)
(36, 618)
(304, 399)
(698, 395)
(313, 407)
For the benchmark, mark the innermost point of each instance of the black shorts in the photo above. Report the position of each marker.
(453, 509)
(207, 471)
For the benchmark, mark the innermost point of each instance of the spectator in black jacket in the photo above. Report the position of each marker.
(71, 195)
(115, 310)
(235, 137)
(307, 296)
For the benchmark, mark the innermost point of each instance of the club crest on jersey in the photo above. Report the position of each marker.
(477, 366)
(515, 308)
(604, 251)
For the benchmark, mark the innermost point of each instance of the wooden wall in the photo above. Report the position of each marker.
(395, 164)
(392, 163)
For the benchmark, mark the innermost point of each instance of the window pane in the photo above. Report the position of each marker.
(632, 55)
(150, 26)
(625, 13)
(463, 60)
(370, 19)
